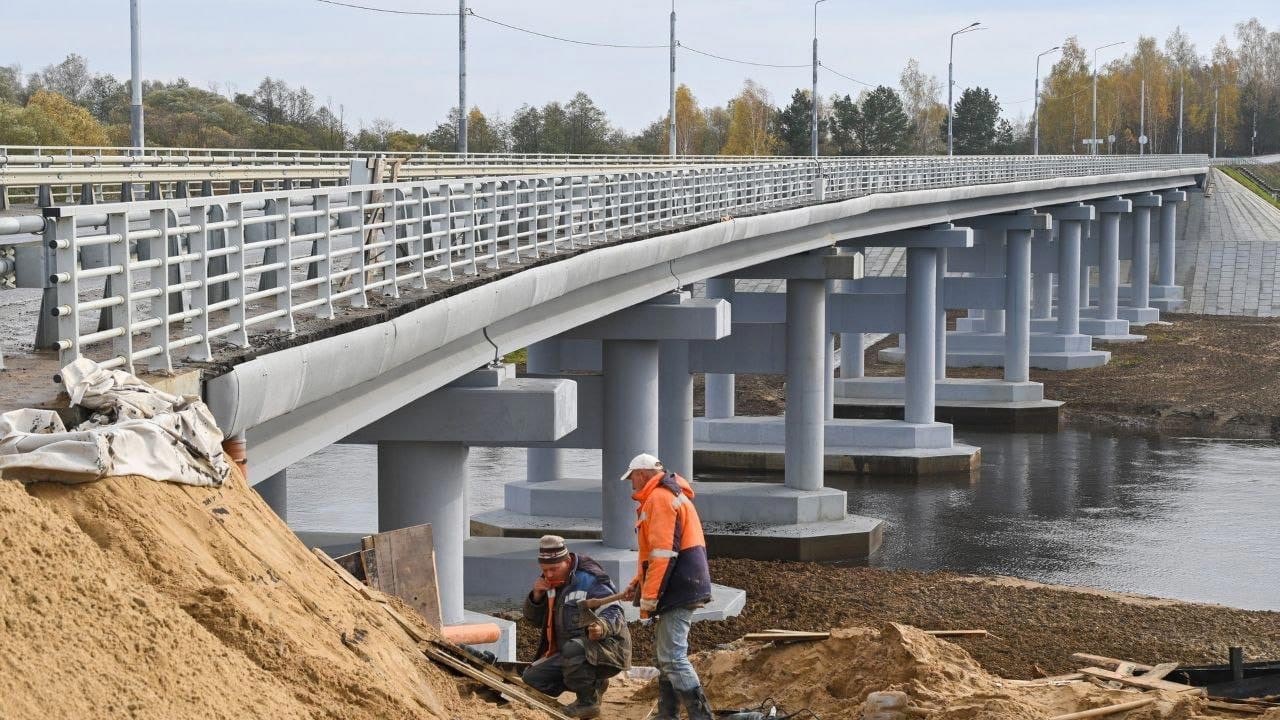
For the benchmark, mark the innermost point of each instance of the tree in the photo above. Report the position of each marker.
(588, 127)
(11, 87)
(526, 130)
(921, 94)
(691, 125)
(75, 123)
(69, 78)
(846, 126)
(975, 131)
(794, 124)
(717, 132)
(886, 130)
(750, 123)
(1065, 102)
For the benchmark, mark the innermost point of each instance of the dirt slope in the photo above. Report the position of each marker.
(132, 598)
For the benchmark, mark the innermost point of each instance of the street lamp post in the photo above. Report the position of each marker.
(135, 74)
(1142, 109)
(1215, 119)
(1182, 91)
(1035, 112)
(462, 77)
(1093, 140)
(813, 98)
(671, 121)
(951, 82)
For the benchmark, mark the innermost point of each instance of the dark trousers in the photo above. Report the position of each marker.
(566, 670)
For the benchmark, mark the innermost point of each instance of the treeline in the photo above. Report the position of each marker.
(67, 104)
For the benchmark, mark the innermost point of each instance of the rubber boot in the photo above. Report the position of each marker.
(668, 701)
(695, 703)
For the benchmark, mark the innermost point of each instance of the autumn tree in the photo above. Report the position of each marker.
(921, 95)
(751, 129)
(691, 125)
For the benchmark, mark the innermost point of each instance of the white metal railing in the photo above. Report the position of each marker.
(181, 278)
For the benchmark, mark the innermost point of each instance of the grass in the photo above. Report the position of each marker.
(1245, 181)
(519, 357)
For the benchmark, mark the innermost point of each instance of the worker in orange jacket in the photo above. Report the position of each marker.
(672, 581)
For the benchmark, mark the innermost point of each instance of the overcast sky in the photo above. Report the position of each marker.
(405, 67)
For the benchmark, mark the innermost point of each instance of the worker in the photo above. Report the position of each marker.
(672, 580)
(580, 648)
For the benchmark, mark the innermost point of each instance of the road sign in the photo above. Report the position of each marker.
(1142, 139)
(1111, 138)
(1092, 141)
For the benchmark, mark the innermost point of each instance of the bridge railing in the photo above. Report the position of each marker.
(157, 281)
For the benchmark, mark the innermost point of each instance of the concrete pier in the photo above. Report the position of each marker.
(719, 387)
(1166, 294)
(275, 492)
(922, 268)
(1139, 311)
(1103, 321)
(675, 407)
(630, 426)
(806, 393)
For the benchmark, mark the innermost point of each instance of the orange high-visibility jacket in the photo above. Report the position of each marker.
(673, 553)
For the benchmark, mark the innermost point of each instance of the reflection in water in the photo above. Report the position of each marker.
(1185, 518)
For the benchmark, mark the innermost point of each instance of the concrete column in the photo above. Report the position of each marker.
(993, 240)
(1168, 233)
(1017, 336)
(675, 407)
(630, 427)
(852, 363)
(829, 378)
(922, 304)
(718, 403)
(940, 324)
(1140, 270)
(275, 492)
(543, 464)
(1042, 295)
(1069, 278)
(427, 483)
(1109, 267)
(806, 344)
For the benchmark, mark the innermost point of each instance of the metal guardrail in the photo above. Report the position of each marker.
(182, 287)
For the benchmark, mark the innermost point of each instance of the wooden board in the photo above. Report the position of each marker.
(1106, 662)
(1160, 671)
(1105, 711)
(1139, 681)
(343, 574)
(352, 564)
(516, 691)
(406, 567)
(1241, 708)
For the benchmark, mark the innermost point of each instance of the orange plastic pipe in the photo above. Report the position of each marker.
(473, 634)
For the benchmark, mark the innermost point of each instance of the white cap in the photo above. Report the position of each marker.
(643, 461)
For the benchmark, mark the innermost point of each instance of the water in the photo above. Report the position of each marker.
(1186, 518)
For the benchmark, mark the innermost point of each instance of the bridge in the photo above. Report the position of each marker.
(379, 313)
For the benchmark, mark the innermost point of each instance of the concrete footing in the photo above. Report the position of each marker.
(964, 402)
(1049, 351)
(500, 571)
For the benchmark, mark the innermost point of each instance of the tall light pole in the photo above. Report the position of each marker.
(1142, 108)
(135, 74)
(671, 114)
(951, 80)
(1215, 118)
(462, 77)
(1035, 112)
(1093, 141)
(1182, 91)
(813, 123)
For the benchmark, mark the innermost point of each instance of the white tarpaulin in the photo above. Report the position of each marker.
(135, 429)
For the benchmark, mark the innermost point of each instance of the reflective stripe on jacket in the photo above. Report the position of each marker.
(673, 553)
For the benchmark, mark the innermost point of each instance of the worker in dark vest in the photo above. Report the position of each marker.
(672, 581)
(580, 648)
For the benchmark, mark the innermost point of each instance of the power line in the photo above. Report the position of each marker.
(387, 10)
(563, 39)
(846, 77)
(735, 60)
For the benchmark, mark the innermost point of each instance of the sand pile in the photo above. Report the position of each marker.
(833, 677)
(133, 598)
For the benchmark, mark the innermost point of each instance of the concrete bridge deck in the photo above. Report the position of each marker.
(1230, 252)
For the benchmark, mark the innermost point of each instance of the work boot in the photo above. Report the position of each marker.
(587, 705)
(695, 703)
(668, 701)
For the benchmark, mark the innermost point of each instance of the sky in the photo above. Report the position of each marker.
(404, 68)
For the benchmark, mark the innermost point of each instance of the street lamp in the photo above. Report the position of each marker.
(813, 124)
(1093, 140)
(1035, 112)
(951, 79)
(1142, 108)
(671, 119)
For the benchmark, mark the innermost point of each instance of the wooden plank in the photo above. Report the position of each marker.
(346, 576)
(1160, 671)
(505, 689)
(1140, 682)
(1053, 680)
(403, 622)
(351, 563)
(1125, 668)
(1104, 711)
(406, 568)
(1235, 707)
(1103, 661)
(784, 637)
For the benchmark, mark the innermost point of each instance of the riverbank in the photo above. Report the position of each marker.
(1210, 375)
(1035, 628)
